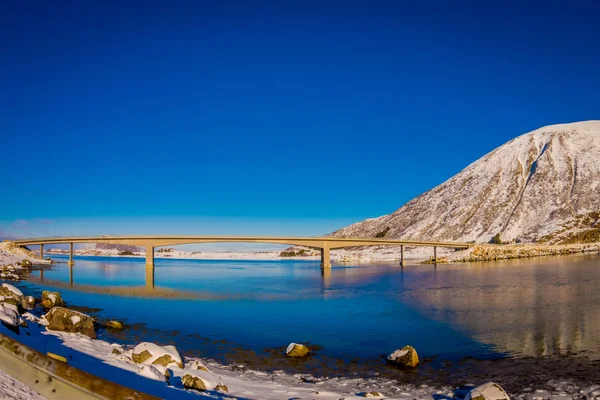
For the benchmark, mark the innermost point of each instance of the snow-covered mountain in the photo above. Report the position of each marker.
(544, 185)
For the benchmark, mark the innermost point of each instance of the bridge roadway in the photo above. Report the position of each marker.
(324, 243)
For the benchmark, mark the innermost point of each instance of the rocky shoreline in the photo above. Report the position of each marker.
(490, 252)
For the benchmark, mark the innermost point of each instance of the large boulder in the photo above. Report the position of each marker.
(406, 357)
(487, 391)
(52, 299)
(296, 350)
(150, 353)
(63, 319)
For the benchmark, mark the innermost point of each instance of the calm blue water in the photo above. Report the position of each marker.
(541, 307)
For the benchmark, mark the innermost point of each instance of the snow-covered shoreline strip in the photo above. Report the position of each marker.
(114, 362)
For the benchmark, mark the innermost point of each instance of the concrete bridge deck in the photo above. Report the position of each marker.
(324, 243)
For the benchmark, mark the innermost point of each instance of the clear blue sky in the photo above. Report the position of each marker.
(269, 117)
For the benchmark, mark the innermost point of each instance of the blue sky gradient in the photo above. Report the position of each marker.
(269, 117)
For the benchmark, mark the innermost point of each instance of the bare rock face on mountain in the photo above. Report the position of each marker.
(541, 186)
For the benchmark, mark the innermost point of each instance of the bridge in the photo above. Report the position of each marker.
(324, 243)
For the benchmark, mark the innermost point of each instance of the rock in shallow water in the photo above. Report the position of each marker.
(28, 302)
(487, 391)
(296, 350)
(63, 319)
(406, 357)
(52, 299)
(114, 325)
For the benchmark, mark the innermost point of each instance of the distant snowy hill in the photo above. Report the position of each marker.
(544, 185)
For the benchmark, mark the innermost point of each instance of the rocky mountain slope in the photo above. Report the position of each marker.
(118, 247)
(541, 186)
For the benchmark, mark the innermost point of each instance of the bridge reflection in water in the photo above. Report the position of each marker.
(326, 280)
(342, 276)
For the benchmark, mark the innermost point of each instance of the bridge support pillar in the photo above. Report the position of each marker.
(42, 251)
(71, 262)
(149, 257)
(150, 278)
(435, 254)
(325, 258)
(402, 255)
(70, 274)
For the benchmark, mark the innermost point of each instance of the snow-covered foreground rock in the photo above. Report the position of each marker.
(543, 184)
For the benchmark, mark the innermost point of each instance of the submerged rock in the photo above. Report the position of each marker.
(193, 382)
(63, 319)
(406, 357)
(114, 325)
(487, 391)
(150, 353)
(296, 350)
(52, 299)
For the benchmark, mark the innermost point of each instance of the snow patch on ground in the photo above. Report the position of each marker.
(11, 254)
(12, 389)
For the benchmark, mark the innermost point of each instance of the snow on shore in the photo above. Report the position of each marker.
(11, 254)
(12, 389)
(99, 357)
